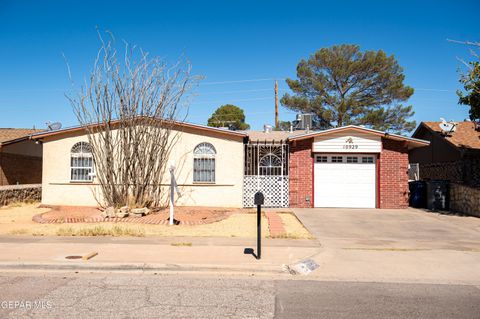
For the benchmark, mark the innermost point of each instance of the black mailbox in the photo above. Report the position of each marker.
(259, 198)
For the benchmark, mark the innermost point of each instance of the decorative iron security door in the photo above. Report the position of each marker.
(266, 170)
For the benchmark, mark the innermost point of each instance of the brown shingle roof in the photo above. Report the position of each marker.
(7, 134)
(465, 135)
(276, 136)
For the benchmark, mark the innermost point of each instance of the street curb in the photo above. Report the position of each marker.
(106, 267)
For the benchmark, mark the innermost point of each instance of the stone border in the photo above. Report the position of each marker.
(465, 199)
(153, 219)
(20, 193)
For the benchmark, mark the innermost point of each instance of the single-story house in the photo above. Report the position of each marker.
(209, 167)
(350, 166)
(453, 156)
(20, 157)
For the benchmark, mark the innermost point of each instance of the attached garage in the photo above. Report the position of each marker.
(345, 180)
(350, 166)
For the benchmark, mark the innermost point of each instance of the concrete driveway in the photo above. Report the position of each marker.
(382, 245)
(410, 228)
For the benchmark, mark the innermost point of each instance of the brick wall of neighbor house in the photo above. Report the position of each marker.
(393, 175)
(452, 171)
(20, 169)
(301, 174)
(465, 171)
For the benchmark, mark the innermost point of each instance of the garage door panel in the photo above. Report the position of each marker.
(342, 184)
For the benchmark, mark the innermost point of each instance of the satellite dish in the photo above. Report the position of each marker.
(447, 127)
(54, 126)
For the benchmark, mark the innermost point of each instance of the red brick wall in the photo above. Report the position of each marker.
(393, 171)
(20, 169)
(301, 165)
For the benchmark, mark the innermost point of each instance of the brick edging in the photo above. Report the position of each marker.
(275, 224)
(149, 219)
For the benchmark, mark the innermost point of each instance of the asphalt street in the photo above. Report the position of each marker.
(100, 295)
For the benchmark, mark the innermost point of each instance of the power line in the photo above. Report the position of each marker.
(238, 91)
(240, 81)
(432, 90)
(247, 114)
(226, 101)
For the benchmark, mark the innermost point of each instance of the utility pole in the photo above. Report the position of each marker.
(276, 104)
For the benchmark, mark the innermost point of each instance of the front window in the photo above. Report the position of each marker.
(81, 162)
(204, 163)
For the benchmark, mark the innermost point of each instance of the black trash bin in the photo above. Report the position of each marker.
(438, 197)
(418, 194)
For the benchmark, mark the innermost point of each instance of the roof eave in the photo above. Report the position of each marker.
(190, 125)
(16, 140)
(414, 141)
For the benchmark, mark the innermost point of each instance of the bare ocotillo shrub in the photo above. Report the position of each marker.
(128, 108)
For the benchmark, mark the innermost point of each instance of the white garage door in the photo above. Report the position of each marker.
(345, 180)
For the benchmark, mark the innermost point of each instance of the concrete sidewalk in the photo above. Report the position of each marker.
(156, 254)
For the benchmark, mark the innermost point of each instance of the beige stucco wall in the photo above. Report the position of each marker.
(226, 192)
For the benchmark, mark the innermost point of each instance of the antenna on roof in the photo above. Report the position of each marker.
(447, 127)
(54, 126)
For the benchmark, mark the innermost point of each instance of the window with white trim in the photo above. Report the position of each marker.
(204, 163)
(321, 159)
(352, 159)
(337, 159)
(368, 159)
(81, 162)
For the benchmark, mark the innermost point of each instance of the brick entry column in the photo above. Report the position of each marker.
(301, 173)
(393, 174)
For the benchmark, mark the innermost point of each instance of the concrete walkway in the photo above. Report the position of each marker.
(157, 254)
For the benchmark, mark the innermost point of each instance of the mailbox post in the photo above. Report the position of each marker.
(259, 200)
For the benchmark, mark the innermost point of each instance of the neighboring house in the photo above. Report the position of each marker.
(215, 180)
(20, 157)
(349, 166)
(454, 157)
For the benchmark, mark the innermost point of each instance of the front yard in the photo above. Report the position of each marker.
(17, 220)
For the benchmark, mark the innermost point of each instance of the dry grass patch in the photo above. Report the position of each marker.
(108, 230)
(181, 244)
(19, 231)
(293, 227)
(18, 221)
(22, 204)
(385, 249)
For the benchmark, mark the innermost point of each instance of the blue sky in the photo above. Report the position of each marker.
(228, 43)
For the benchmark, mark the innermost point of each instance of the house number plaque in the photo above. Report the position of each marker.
(349, 145)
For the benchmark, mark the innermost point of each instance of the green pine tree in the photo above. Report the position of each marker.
(471, 85)
(228, 115)
(342, 85)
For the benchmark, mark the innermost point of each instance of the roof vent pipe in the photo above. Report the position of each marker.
(267, 128)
